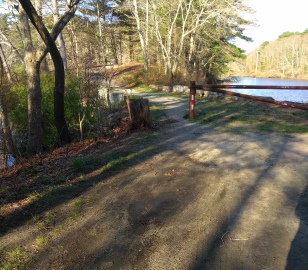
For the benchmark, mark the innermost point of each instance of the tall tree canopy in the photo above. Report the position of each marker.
(187, 32)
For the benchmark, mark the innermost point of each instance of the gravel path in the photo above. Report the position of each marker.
(198, 199)
(251, 208)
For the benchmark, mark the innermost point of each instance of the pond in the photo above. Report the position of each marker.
(279, 95)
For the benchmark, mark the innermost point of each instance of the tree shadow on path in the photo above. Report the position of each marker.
(298, 254)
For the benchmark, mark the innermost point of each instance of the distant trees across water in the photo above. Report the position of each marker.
(286, 57)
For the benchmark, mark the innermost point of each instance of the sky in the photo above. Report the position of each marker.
(274, 17)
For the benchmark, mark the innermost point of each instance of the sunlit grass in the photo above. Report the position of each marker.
(156, 112)
(144, 88)
(15, 259)
(115, 160)
(76, 210)
(41, 241)
(242, 116)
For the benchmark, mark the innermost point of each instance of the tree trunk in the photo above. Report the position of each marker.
(5, 65)
(139, 113)
(6, 138)
(38, 4)
(3, 151)
(131, 46)
(60, 40)
(75, 47)
(32, 59)
(35, 130)
(114, 48)
(143, 37)
(7, 145)
(62, 129)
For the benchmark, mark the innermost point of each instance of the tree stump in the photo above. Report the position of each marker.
(139, 112)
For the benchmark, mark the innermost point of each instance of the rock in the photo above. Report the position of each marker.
(179, 88)
(156, 87)
(183, 89)
(186, 90)
(206, 94)
(166, 88)
(200, 92)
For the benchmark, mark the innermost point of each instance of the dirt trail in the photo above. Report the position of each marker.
(194, 199)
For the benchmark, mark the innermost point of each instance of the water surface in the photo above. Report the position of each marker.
(279, 95)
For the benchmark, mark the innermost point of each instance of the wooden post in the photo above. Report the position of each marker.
(139, 112)
(192, 96)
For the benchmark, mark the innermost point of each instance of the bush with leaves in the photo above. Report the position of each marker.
(18, 109)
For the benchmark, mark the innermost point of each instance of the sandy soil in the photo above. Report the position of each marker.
(194, 199)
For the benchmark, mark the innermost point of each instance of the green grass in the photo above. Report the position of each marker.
(78, 164)
(33, 170)
(15, 259)
(156, 112)
(144, 88)
(83, 165)
(55, 194)
(4, 191)
(41, 241)
(47, 220)
(242, 116)
(114, 161)
(48, 180)
(145, 137)
(76, 209)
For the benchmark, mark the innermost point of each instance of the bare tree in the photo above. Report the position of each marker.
(141, 15)
(175, 24)
(285, 57)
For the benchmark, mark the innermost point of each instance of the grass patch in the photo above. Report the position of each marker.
(115, 160)
(144, 88)
(249, 116)
(41, 241)
(34, 196)
(55, 194)
(156, 112)
(84, 165)
(15, 259)
(4, 191)
(32, 170)
(47, 220)
(78, 164)
(145, 138)
(76, 210)
(48, 180)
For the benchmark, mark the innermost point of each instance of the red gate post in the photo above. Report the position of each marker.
(192, 95)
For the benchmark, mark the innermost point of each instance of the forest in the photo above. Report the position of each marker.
(286, 57)
(55, 55)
